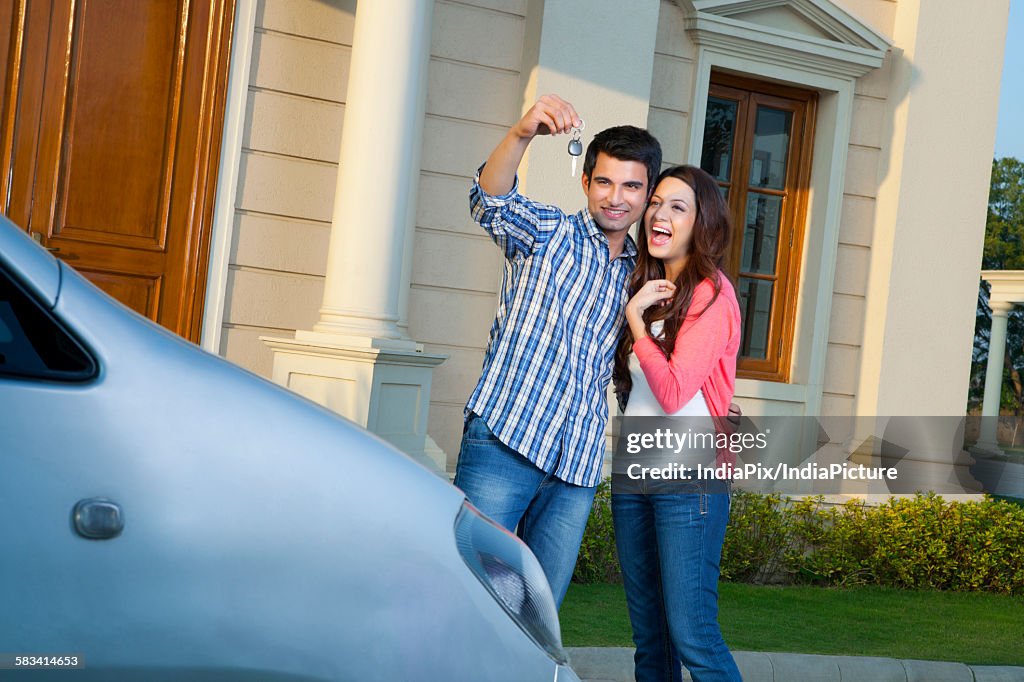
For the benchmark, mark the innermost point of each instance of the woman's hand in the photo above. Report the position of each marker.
(655, 292)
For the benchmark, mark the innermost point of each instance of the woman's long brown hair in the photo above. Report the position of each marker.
(708, 245)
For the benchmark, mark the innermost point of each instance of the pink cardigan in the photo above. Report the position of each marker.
(704, 357)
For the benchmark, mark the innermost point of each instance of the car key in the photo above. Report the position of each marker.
(575, 146)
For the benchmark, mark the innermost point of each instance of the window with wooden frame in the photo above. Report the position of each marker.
(757, 145)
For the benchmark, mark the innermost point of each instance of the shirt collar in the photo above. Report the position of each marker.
(590, 228)
(629, 248)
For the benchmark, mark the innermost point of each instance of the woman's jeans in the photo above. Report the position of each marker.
(670, 546)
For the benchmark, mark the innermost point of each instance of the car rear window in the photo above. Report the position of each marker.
(33, 343)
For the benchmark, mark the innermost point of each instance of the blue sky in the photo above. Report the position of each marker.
(1010, 135)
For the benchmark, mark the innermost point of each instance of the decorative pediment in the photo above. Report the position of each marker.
(819, 32)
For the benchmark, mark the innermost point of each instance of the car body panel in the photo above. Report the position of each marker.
(264, 535)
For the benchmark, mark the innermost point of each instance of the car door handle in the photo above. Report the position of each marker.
(97, 518)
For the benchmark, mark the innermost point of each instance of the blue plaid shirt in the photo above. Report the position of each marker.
(543, 391)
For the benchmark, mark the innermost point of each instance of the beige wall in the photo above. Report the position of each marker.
(488, 65)
(672, 85)
(671, 105)
(856, 230)
(294, 118)
(295, 110)
(608, 87)
(932, 196)
(473, 97)
(909, 137)
(300, 57)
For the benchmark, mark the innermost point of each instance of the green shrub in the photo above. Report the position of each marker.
(923, 542)
(598, 561)
(756, 538)
(827, 543)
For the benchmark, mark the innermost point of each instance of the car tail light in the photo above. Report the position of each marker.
(513, 576)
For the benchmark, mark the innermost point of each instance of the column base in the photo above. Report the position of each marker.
(382, 385)
(334, 339)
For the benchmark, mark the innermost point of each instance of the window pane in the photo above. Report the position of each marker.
(32, 344)
(761, 233)
(771, 147)
(719, 129)
(756, 310)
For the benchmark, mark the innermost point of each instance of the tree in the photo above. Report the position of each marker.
(1004, 250)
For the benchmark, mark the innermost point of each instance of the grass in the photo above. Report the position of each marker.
(970, 627)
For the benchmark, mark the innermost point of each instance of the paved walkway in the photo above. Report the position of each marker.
(615, 664)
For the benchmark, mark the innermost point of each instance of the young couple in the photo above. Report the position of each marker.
(580, 299)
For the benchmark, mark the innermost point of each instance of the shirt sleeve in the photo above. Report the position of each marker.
(519, 226)
(700, 343)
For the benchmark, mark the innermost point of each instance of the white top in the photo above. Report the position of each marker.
(642, 402)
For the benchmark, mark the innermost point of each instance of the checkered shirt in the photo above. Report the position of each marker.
(543, 390)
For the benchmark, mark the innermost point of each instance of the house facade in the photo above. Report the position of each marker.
(853, 140)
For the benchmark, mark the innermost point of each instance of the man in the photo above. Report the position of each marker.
(534, 436)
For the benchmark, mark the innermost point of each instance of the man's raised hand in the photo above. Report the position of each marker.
(550, 115)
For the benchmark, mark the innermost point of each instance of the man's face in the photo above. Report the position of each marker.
(616, 192)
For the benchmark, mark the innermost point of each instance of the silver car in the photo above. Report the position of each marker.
(168, 515)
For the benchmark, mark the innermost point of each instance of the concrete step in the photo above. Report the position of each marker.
(615, 664)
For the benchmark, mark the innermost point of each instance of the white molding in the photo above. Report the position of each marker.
(811, 54)
(826, 16)
(771, 390)
(1007, 286)
(328, 347)
(855, 49)
(227, 175)
(822, 241)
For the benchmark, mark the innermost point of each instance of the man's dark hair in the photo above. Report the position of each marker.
(626, 143)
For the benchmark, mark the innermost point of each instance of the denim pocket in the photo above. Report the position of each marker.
(477, 430)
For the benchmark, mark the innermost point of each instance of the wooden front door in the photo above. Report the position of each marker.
(110, 140)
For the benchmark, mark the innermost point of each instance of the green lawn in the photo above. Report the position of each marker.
(975, 628)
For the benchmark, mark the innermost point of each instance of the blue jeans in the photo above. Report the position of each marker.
(551, 514)
(669, 547)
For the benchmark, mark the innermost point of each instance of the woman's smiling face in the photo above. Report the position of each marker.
(669, 222)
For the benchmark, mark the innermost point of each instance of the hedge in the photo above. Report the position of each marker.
(920, 542)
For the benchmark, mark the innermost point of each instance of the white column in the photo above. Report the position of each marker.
(987, 440)
(358, 360)
(375, 200)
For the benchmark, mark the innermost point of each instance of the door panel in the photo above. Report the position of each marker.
(138, 292)
(115, 145)
(137, 106)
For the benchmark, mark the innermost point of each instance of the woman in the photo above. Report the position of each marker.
(678, 357)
